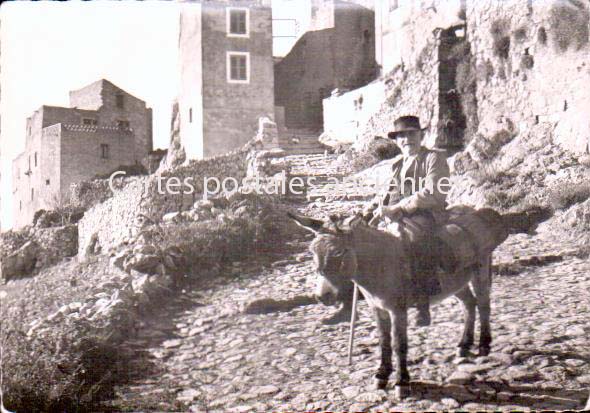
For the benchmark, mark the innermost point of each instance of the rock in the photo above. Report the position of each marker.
(242, 409)
(203, 204)
(188, 395)
(575, 331)
(171, 217)
(371, 397)
(350, 392)
(21, 263)
(290, 352)
(118, 259)
(143, 263)
(474, 368)
(264, 390)
(450, 403)
(172, 343)
(460, 377)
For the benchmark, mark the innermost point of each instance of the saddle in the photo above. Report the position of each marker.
(469, 236)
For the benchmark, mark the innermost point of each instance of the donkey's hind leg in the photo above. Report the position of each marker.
(385, 368)
(469, 303)
(482, 287)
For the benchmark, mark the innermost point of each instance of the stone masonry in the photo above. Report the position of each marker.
(105, 128)
(226, 74)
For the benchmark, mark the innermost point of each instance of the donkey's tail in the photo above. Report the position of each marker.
(526, 222)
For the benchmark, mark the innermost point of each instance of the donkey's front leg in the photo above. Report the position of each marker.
(469, 304)
(384, 326)
(482, 287)
(399, 316)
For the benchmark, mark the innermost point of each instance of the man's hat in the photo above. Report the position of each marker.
(405, 124)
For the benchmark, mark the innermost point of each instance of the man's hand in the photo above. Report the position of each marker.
(394, 212)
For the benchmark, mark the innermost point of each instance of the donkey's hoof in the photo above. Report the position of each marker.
(380, 384)
(463, 352)
(401, 391)
(484, 351)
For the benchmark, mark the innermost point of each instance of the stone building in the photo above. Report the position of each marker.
(337, 53)
(104, 128)
(470, 67)
(226, 74)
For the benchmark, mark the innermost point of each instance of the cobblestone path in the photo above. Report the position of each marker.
(207, 354)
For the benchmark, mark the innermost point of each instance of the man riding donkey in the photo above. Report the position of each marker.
(416, 197)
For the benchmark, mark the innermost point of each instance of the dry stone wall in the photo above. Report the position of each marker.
(147, 198)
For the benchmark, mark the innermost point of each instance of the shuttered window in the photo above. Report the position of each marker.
(238, 67)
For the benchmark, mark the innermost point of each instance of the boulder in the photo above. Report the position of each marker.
(143, 263)
(21, 263)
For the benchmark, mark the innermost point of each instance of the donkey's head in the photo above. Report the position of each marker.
(333, 255)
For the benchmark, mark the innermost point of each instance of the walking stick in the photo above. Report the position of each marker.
(355, 297)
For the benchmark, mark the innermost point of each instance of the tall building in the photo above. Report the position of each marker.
(226, 74)
(105, 128)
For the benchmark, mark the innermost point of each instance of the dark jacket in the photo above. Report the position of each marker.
(425, 191)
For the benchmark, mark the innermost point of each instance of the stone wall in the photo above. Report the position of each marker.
(347, 114)
(533, 66)
(409, 90)
(143, 197)
(339, 53)
(404, 28)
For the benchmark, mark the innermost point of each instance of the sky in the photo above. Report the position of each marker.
(50, 48)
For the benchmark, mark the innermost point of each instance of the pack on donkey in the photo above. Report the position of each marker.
(420, 252)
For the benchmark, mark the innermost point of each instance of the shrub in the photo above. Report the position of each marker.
(251, 225)
(564, 196)
(569, 25)
(527, 62)
(393, 99)
(542, 36)
(505, 199)
(490, 173)
(501, 39)
(378, 150)
(520, 34)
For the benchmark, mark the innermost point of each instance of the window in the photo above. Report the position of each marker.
(32, 193)
(104, 151)
(20, 205)
(47, 182)
(123, 124)
(190, 115)
(119, 101)
(238, 24)
(89, 122)
(238, 67)
(35, 158)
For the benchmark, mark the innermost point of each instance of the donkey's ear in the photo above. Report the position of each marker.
(355, 220)
(310, 224)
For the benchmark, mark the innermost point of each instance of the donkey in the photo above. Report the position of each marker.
(377, 261)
